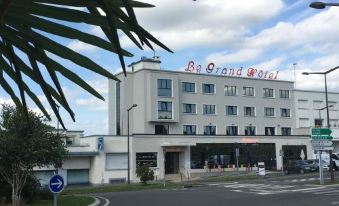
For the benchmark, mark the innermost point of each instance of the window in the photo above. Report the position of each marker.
(249, 131)
(230, 90)
(189, 108)
(164, 87)
(117, 108)
(286, 131)
(231, 110)
(248, 91)
(209, 130)
(269, 112)
(164, 110)
(149, 158)
(162, 129)
(304, 122)
(317, 104)
(231, 130)
(116, 161)
(249, 111)
(318, 122)
(269, 131)
(333, 122)
(208, 109)
(284, 94)
(188, 87)
(303, 104)
(69, 141)
(208, 88)
(189, 129)
(267, 92)
(285, 112)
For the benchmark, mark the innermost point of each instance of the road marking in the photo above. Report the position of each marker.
(326, 192)
(307, 189)
(236, 190)
(105, 199)
(96, 202)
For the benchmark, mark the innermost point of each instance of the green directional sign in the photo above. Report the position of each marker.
(325, 137)
(321, 131)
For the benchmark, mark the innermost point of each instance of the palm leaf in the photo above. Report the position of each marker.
(20, 24)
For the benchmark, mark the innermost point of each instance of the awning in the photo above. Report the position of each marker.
(178, 144)
(82, 154)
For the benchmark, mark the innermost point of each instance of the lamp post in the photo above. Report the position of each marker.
(128, 156)
(327, 110)
(322, 5)
(319, 110)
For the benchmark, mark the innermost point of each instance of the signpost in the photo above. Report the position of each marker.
(56, 185)
(321, 141)
(237, 156)
(261, 167)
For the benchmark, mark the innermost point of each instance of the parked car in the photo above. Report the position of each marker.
(299, 166)
(315, 162)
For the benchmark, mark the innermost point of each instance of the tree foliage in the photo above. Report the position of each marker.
(25, 145)
(25, 26)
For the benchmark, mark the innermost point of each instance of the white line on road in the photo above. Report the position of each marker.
(106, 200)
(326, 192)
(96, 202)
(307, 189)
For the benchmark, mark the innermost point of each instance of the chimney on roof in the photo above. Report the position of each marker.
(146, 63)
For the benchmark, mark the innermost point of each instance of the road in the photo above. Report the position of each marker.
(290, 191)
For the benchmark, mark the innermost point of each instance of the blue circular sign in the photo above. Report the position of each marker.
(56, 184)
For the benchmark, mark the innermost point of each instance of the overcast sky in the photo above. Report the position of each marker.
(265, 34)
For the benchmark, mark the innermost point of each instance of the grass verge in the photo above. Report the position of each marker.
(120, 188)
(66, 201)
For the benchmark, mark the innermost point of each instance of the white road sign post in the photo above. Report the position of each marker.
(321, 141)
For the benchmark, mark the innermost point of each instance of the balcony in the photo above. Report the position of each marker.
(165, 115)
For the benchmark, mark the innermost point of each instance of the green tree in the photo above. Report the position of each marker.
(25, 145)
(26, 25)
(144, 173)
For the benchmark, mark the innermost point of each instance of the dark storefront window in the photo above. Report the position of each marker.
(223, 154)
(162, 129)
(149, 158)
(294, 152)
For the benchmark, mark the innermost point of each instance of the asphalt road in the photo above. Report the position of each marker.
(291, 190)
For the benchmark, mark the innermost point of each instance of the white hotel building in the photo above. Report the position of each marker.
(185, 122)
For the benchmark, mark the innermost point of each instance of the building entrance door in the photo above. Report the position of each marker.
(172, 163)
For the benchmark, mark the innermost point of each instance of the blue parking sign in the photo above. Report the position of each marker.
(101, 144)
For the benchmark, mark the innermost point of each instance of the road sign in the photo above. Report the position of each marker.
(322, 148)
(321, 131)
(324, 137)
(101, 144)
(56, 184)
(261, 167)
(322, 143)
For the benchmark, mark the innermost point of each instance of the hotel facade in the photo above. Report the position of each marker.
(188, 123)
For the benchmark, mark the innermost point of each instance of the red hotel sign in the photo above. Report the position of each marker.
(250, 72)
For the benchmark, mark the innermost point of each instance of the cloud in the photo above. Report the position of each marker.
(204, 23)
(273, 64)
(79, 46)
(93, 104)
(221, 58)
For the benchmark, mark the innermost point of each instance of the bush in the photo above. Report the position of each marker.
(29, 192)
(144, 173)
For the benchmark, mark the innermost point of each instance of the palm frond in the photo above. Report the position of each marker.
(23, 24)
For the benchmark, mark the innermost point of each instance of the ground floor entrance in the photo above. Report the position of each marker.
(172, 163)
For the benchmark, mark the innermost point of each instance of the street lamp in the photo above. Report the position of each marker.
(327, 110)
(322, 5)
(128, 156)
